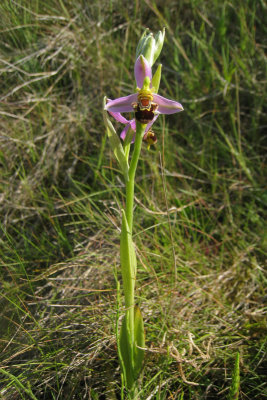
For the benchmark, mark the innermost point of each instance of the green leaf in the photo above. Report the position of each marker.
(132, 365)
(116, 145)
(139, 337)
(125, 351)
(14, 381)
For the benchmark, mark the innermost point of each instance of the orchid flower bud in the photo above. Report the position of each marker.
(159, 40)
(146, 47)
(141, 43)
(150, 46)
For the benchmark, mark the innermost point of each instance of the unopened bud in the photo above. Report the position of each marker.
(159, 40)
(150, 46)
(141, 43)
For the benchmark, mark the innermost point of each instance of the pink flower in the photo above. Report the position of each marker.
(129, 123)
(146, 104)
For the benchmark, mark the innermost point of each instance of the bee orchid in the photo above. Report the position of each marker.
(146, 103)
(129, 123)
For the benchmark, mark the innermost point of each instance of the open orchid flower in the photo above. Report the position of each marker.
(146, 103)
(130, 123)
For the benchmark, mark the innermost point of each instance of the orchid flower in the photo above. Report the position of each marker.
(146, 103)
(130, 124)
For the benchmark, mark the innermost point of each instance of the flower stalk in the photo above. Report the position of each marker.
(140, 131)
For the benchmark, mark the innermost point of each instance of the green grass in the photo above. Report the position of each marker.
(200, 200)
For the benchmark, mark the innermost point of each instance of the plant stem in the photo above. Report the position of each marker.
(129, 299)
(140, 130)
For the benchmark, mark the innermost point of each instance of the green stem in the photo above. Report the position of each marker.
(128, 264)
(129, 298)
(140, 130)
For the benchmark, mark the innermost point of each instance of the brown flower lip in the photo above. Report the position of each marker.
(143, 115)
